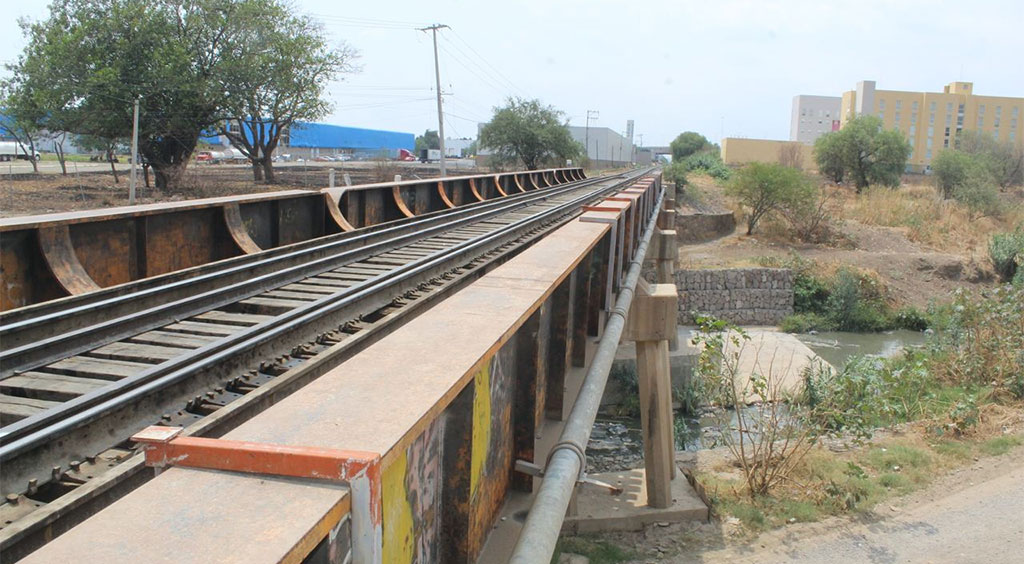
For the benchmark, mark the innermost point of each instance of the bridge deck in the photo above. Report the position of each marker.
(439, 400)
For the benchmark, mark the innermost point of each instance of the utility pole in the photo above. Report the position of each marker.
(440, 112)
(591, 114)
(135, 151)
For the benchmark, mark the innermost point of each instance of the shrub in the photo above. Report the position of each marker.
(950, 169)
(765, 188)
(771, 439)
(805, 322)
(983, 344)
(1006, 250)
(708, 162)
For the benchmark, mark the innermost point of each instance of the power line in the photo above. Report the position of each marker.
(486, 62)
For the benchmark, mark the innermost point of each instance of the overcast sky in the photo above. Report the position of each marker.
(713, 66)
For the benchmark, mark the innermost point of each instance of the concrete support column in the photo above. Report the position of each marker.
(652, 320)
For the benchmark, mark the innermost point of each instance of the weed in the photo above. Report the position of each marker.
(771, 438)
(894, 481)
(597, 551)
(1000, 445)
(1006, 250)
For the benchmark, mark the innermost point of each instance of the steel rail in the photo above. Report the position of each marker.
(41, 428)
(26, 356)
(536, 543)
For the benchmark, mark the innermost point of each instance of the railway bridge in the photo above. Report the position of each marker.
(367, 374)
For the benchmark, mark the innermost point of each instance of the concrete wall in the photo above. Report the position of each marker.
(737, 151)
(745, 296)
(695, 227)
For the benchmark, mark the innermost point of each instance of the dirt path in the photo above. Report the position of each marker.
(971, 515)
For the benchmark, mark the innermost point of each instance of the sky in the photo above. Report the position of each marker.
(724, 68)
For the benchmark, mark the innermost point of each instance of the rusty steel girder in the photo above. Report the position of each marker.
(48, 257)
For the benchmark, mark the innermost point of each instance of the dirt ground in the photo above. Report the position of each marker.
(914, 273)
(27, 194)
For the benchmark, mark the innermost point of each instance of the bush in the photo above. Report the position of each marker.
(950, 169)
(765, 188)
(805, 322)
(983, 344)
(708, 162)
(978, 191)
(1006, 250)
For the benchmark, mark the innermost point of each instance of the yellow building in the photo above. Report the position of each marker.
(738, 151)
(931, 121)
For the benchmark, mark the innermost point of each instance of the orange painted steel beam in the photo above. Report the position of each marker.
(241, 237)
(336, 214)
(61, 259)
(518, 183)
(497, 183)
(476, 193)
(360, 470)
(444, 195)
(396, 193)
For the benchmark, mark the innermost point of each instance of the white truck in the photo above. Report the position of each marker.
(11, 150)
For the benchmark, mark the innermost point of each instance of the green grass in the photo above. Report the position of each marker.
(69, 158)
(955, 450)
(597, 551)
(1000, 445)
(897, 457)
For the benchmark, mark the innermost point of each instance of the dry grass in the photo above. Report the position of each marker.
(926, 218)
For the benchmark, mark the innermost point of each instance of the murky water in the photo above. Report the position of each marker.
(617, 442)
(836, 347)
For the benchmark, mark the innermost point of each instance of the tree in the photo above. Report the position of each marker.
(530, 132)
(688, 143)
(20, 118)
(764, 188)
(829, 157)
(103, 145)
(96, 57)
(1003, 159)
(864, 152)
(429, 140)
(951, 169)
(276, 78)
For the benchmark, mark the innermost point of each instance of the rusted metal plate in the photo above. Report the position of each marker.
(188, 515)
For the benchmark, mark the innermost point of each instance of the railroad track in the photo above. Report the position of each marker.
(209, 348)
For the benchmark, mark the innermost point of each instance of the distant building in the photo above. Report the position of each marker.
(737, 151)
(309, 140)
(933, 121)
(604, 146)
(813, 116)
(456, 147)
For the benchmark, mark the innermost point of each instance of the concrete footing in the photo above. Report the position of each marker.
(597, 511)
